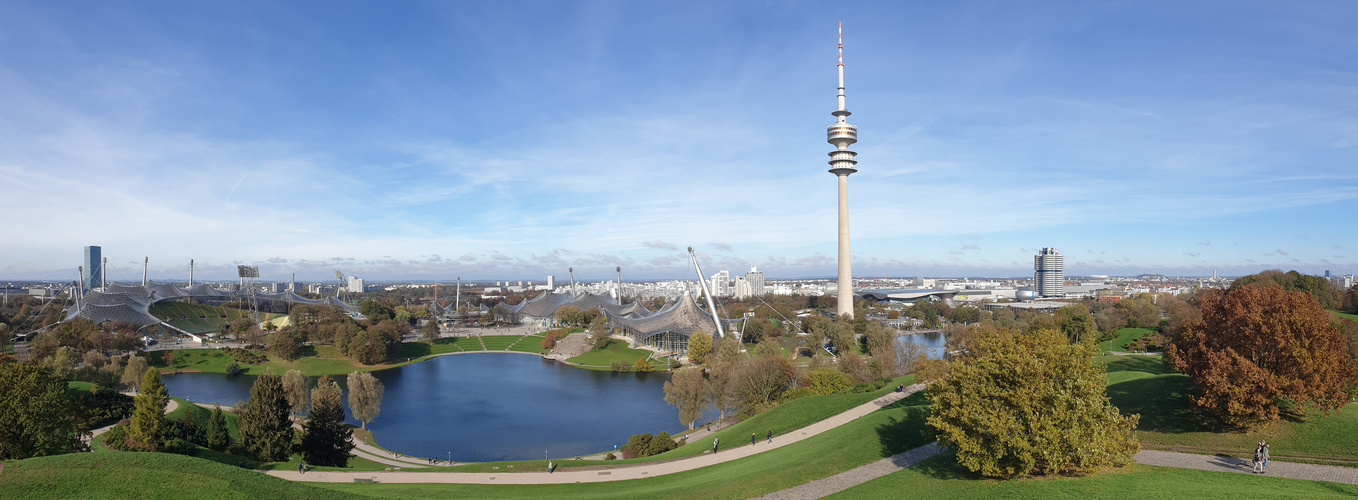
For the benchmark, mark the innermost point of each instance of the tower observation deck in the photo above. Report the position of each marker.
(842, 163)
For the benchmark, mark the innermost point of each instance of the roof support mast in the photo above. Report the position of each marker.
(711, 306)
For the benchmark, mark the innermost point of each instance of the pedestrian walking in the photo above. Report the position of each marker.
(301, 467)
(714, 445)
(752, 439)
(1266, 457)
(770, 437)
(1259, 458)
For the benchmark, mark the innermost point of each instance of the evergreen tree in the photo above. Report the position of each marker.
(325, 438)
(35, 410)
(265, 430)
(148, 417)
(218, 438)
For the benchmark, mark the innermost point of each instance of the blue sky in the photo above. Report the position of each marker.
(511, 140)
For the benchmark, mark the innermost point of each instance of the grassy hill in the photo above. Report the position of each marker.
(144, 475)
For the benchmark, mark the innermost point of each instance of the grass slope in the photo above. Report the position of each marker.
(144, 475)
(1139, 384)
(1125, 335)
(942, 477)
(616, 350)
(198, 318)
(215, 361)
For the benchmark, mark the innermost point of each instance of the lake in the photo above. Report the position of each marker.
(490, 406)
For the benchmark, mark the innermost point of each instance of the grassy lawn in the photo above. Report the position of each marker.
(144, 475)
(1353, 317)
(616, 350)
(215, 361)
(1125, 335)
(942, 477)
(531, 343)
(198, 318)
(1139, 384)
(500, 342)
(469, 344)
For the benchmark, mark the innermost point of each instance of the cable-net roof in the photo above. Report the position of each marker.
(546, 305)
(683, 318)
(132, 303)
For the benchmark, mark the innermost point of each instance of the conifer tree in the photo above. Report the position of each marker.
(325, 438)
(265, 430)
(148, 415)
(218, 438)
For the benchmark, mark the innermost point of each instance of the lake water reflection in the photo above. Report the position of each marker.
(933, 343)
(490, 406)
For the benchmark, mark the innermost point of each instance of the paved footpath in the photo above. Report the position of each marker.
(640, 471)
(839, 482)
(1309, 472)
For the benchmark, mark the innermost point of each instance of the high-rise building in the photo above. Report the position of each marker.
(92, 276)
(355, 285)
(721, 284)
(842, 163)
(551, 283)
(756, 281)
(1049, 273)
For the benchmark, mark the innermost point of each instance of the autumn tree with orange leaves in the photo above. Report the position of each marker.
(1258, 346)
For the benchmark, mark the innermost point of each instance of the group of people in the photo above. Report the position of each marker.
(753, 438)
(1261, 457)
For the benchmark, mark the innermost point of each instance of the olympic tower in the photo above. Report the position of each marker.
(842, 163)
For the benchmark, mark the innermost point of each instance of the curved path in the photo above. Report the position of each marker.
(638, 471)
(1308, 472)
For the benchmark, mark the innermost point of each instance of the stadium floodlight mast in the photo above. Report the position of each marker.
(339, 276)
(247, 276)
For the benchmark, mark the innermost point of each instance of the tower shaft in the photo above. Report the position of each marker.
(844, 302)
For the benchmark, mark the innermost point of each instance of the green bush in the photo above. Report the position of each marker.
(234, 368)
(610, 456)
(619, 366)
(116, 437)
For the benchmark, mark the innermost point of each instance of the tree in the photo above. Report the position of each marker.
(325, 438)
(1257, 345)
(35, 413)
(1030, 403)
(878, 340)
(841, 338)
(723, 390)
(284, 345)
(136, 369)
(1077, 323)
(599, 334)
(430, 331)
(755, 328)
(827, 380)
(218, 438)
(365, 397)
(641, 365)
(699, 346)
(687, 390)
(296, 386)
(760, 382)
(265, 430)
(148, 417)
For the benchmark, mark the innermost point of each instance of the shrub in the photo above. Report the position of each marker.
(619, 366)
(610, 456)
(116, 437)
(661, 443)
(234, 368)
(641, 365)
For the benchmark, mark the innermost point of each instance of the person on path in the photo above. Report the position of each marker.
(770, 437)
(1259, 458)
(752, 439)
(301, 467)
(1266, 455)
(714, 445)
(550, 467)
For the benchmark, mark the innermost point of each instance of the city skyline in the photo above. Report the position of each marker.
(430, 141)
